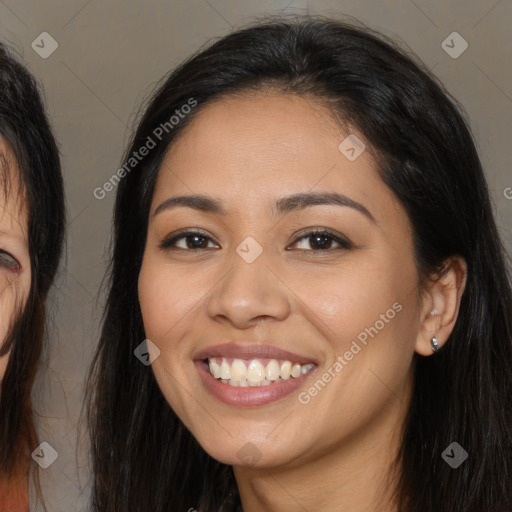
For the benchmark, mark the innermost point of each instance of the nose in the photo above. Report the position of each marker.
(249, 293)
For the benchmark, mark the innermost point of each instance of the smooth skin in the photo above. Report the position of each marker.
(313, 299)
(14, 250)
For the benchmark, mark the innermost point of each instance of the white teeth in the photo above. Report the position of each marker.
(214, 368)
(272, 371)
(238, 370)
(306, 368)
(295, 370)
(225, 370)
(286, 370)
(253, 373)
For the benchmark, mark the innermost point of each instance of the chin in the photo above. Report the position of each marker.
(250, 453)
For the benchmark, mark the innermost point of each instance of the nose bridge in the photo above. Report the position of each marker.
(250, 288)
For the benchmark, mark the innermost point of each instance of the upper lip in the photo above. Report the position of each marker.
(251, 351)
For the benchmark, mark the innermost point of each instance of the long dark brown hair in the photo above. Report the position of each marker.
(144, 459)
(24, 127)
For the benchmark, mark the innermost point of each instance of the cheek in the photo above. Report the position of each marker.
(14, 289)
(167, 298)
(367, 312)
(7, 311)
(377, 326)
(351, 297)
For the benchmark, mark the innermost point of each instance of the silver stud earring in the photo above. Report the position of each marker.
(434, 344)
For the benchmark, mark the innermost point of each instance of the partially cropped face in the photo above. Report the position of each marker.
(14, 252)
(284, 302)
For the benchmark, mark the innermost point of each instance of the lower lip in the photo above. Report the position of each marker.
(248, 396)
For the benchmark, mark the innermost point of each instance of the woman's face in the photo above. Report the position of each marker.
(345, 311)
(14, 251)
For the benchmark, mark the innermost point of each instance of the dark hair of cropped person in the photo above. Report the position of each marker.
(26, 130)
(144, 459)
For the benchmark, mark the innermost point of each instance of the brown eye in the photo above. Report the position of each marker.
(322, 241)
(189, 240)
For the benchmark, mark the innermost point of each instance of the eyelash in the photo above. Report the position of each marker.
(9, 262)
(345, 244)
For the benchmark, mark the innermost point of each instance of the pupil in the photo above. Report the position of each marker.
(316, 239)
(195, 238)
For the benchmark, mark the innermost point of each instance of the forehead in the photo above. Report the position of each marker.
(251, 147)
(13, 203)
(255, 140)
(281, 124)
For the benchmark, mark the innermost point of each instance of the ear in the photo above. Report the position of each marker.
(440, 305)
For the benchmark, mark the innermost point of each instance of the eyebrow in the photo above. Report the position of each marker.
(283, 205)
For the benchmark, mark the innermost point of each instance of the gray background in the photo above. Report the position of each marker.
(110, 54)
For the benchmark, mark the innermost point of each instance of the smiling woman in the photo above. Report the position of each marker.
(318, 226)
(31, 238)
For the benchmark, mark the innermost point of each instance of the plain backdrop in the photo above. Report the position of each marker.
(111, 53)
